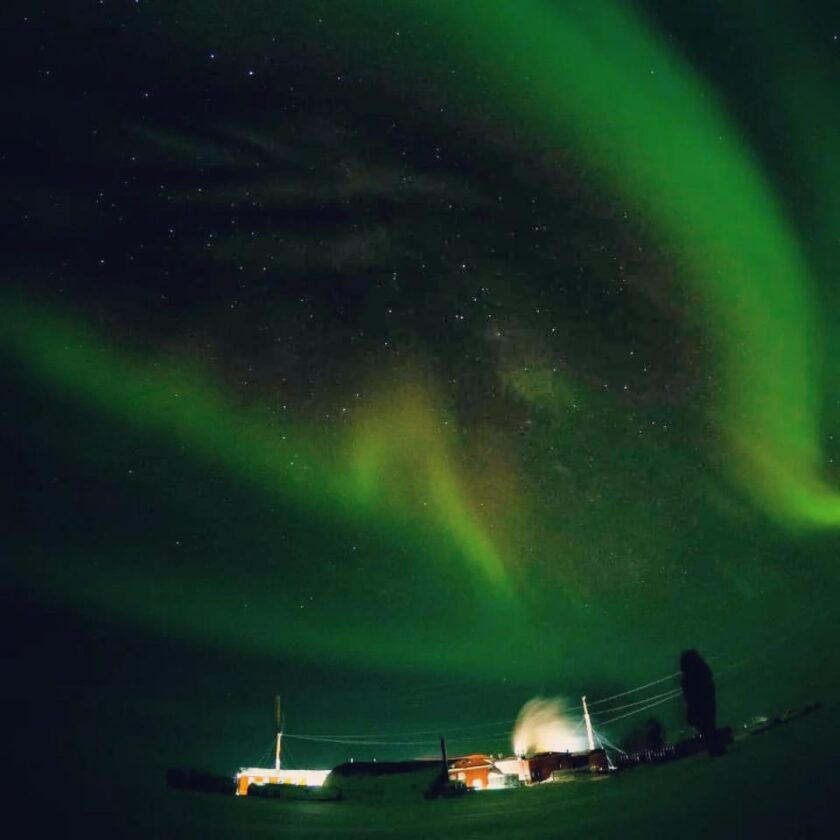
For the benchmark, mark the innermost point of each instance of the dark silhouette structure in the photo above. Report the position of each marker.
(649, 736)
(200, 780)
(698, 687)
(654, 734)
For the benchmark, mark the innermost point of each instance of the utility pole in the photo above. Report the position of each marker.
(278, 721)
(588, 721)
(443, 756)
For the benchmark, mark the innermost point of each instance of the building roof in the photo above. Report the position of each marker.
(384, 768)
(472, 761)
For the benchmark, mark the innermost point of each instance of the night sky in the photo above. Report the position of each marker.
(409, 360)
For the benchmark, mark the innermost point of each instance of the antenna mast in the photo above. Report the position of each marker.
(588, 721)
(278, 722)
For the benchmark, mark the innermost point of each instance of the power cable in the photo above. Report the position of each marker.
(636, 711)
(633, 690)
(671, 692)
(384, 737)
(362, 738)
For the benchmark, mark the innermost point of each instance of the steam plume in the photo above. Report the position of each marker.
(542, 726)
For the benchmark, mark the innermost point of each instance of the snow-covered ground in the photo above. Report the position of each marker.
(778, 784)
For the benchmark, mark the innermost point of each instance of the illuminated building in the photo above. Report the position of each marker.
(480, 772)
(271, 776)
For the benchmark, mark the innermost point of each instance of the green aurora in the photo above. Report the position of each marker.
(598, 79)
(459, 509)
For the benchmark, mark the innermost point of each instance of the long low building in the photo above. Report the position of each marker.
(381, 781)
(270, 776)
(544, 766)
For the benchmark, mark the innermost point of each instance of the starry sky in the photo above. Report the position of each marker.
(412, 359)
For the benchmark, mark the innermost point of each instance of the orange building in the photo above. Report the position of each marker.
(479, 772)
(473, 770)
